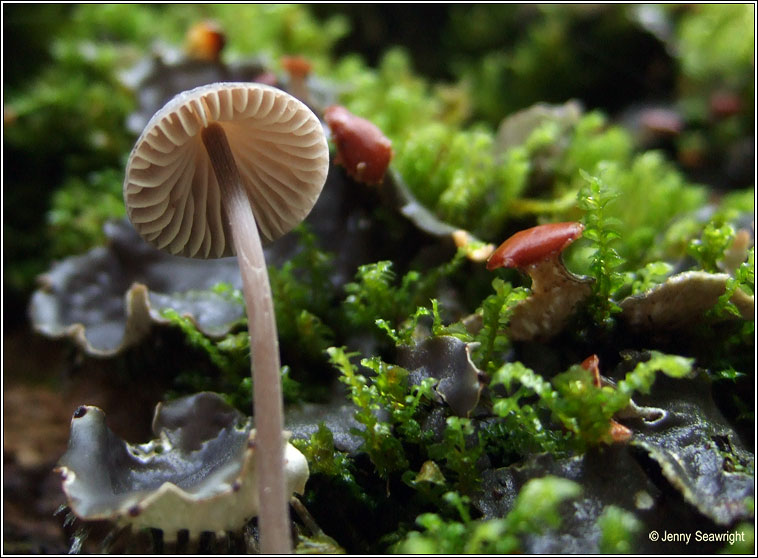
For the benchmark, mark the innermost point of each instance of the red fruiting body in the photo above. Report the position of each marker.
(534, 245)
(592, 364)
(724, 104)
(205, 40)
(619, 433)
(362, 148)
(296, 66)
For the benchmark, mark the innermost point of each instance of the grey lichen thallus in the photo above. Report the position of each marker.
(216, 170)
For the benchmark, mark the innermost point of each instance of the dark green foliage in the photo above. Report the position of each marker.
(384, 449)
(647, 277)
(460, 449)
(744, 278)
(377, 301)
(230, 356)
(641, 197)
(373, 295)
(303, 296)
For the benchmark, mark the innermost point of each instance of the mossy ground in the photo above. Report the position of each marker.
(652, 201)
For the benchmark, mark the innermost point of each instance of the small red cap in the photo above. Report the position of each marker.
(205, 40)
(534, 245)
(296, 66)
(362, 148)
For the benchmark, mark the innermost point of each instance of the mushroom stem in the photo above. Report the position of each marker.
(556, 293)
(273, 520)
(549, 274)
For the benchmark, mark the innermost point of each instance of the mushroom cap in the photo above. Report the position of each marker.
(296, 66)
(205, 40)
(172, 195)
(533, 245)
(362, 148)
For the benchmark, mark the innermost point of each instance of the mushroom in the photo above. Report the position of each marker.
(204, 41)
(362, 148)
(298, 68)
(216, 170)
(556, 291)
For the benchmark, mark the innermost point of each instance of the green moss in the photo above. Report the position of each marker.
(594, 140)
(647, 277)
(709, 249)
(377, 300)
(460, 449)
(641, 215)
(573, 401)
(228, 355)
(373, 295)
(303, 296)
(535, 510)
(279, 29)
(689, 234)
(601, 230)
(392, 97)
(322, 457)
(80, 209)
(717, 41)
(457, 174)
(496, 311)
(384, 449)
(650, 194)
(618, 531)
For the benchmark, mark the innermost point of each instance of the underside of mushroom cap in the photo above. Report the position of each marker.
(171, 191)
